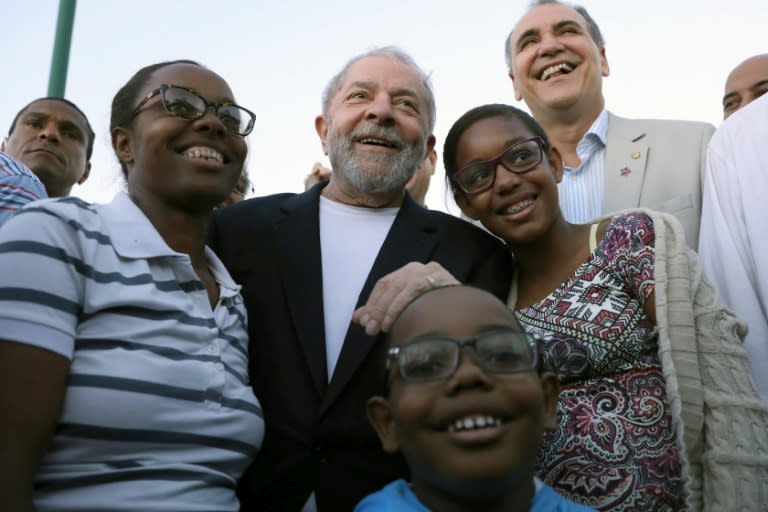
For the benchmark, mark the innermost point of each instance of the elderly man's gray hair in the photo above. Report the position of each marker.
(396, 54)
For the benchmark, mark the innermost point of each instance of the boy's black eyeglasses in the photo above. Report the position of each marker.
(187, 104)
(431, 358)
(519, 158)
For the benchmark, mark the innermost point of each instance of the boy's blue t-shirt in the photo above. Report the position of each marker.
(398, 497)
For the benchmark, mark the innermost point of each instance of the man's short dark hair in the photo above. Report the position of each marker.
(90, 136)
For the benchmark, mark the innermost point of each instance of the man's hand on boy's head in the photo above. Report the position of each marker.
(396, 290)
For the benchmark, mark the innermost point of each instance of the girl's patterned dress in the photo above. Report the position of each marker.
(615, 447)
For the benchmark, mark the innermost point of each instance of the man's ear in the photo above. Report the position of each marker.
(556, 163)
(518, 96)
(321, 127)
(604, 63)
(551, 390)
(430, 144)
(465, 205)
(380, 416)
(85, 174)
(121, 143)
(432, 157)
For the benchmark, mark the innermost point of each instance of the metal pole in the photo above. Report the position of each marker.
(57, 81)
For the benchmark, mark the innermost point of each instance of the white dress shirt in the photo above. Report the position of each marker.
(733, 245)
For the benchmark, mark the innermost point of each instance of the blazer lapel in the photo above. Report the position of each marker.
(411, 238)
(625, 164)
(298, 243)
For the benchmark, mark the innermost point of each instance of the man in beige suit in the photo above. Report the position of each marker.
(557, 61)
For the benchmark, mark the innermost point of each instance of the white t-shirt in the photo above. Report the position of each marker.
(350, 240)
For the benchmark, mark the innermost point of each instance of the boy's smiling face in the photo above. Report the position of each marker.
(473, 433)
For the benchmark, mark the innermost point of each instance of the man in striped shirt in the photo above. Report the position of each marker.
(18, 186)
(52, 138)
(556, 59)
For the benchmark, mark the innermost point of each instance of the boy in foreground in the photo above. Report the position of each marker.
(469, 422)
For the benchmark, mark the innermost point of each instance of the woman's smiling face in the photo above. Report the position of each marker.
(188, 162)
(518, 207)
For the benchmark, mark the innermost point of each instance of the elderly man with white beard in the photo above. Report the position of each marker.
(307, 261)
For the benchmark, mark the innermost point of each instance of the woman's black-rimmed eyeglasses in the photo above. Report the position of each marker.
(187, 104)
(518, 158)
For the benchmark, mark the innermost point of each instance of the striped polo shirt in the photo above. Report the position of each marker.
(18, 186)
(158, 413)
(582, 189)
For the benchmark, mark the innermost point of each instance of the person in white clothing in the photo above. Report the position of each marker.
(733, 247)
(745, 83)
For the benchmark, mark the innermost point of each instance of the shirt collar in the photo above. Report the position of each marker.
(228, 287)
(133, 236)
(131, 232)
(599, 127)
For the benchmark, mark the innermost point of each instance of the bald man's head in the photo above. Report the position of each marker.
(747, 82)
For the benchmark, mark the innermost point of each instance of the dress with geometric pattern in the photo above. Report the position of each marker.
(615, 446)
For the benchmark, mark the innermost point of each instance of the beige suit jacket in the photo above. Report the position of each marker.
(657, 164)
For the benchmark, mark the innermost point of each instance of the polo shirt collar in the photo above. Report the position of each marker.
(131, 232)
(227, 286)
(134, 236)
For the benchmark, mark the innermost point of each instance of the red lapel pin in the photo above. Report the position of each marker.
(625, 171)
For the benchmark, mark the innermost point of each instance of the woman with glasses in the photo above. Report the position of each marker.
(123, 353)
(657, 409)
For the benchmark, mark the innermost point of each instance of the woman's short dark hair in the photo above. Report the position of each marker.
(126, 98)
(478, 114)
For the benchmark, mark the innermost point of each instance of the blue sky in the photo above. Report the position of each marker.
(668, 59)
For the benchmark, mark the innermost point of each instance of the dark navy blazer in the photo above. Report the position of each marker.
(317, 434)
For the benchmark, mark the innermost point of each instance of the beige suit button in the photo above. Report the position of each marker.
(635, 155)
